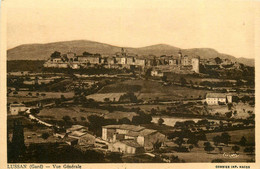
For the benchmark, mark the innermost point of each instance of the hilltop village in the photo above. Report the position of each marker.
(130, 108)
(126, 60)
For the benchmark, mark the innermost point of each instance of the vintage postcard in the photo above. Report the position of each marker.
(129, 84)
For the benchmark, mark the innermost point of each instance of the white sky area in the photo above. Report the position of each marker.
(227, 26)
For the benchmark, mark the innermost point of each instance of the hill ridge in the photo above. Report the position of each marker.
(42, 51)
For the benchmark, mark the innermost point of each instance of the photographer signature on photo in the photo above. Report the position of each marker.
(230, 155)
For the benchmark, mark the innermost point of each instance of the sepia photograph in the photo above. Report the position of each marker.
(122, 81)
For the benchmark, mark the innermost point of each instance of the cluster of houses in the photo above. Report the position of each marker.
(122, 60)
(131, 139)
(124, 138)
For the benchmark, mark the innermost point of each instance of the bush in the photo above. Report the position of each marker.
(181, 149)
(45, 136)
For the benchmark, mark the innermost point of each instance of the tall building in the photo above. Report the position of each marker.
(195, 62)
(180, 57)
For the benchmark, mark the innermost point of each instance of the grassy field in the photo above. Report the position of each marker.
(77, 112)
(22, 96)
(119, 115)
(101, 96)
(150, 90)
(241, 108)
(236, 135)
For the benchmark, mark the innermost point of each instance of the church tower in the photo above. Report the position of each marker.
(180, 57)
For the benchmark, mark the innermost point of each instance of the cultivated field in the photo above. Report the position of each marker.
(77, 112)
(100, 97)
(150, 90)
(28, 96)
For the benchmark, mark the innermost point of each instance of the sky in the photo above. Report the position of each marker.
(227, 26)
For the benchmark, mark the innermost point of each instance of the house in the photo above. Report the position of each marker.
(76, 128)
(218, 98)
(87, 139)
(89, 59)
(140, 62)
(157, 73)
(126, 146)
(147, 137)
(16, 108)
(20, 73)
(144, 137)
(130, 60)
(109, 131)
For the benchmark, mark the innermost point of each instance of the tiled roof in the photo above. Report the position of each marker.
(146, 132)
(216, 95)
(17, 105)
(143, 132)
(131, 143)
(77, 133)
(125, 127)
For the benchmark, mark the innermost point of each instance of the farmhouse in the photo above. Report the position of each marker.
(218, 98)
(126, 146)
(157, 73)
(16, 108)
(109, 131)
(76, 128)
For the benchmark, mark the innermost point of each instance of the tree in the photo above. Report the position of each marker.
(228, 114)
(157, 145)
(179, 141)
(66, 118)
(229, 106)
(83, 118)
(235, 148)
(62, 98)
(225, 138)
(106, 99)
(160, 121)
(208, 147)
(153, 111)
(164, 78)
(45, 136)
(220, 149)
(183, 81)
(124, 120)
(18, 146)
(202, 136)
(218, 60)
(191, 147)
(86, 53)
(55, 54)
(217, 140)
(249, 150)
(193, 140)
(242, 141)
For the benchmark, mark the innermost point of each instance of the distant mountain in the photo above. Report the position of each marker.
(43, 51)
